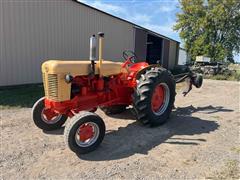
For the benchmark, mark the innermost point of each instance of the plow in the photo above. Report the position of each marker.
(74, 90)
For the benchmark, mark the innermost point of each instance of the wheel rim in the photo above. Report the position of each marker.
(160, 99)
(87, 134)
(50, 117)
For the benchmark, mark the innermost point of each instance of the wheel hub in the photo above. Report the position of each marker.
(86, 132)
(50, 116)
(160, 99)
(157, 98)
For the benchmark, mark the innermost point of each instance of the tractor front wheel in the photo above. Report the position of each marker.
(46, 119)
(154, 96)
(84, 132)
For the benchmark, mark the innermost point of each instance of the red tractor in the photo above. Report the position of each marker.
(75, 89)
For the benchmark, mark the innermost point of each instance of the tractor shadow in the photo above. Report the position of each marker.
(135, 138)
(59, 131)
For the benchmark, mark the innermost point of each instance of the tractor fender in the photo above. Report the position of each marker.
(142, 71)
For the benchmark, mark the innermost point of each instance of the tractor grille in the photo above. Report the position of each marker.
(53, 86)
(50, 82)
(45, 84)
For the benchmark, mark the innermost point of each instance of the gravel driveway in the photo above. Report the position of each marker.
(201, 140)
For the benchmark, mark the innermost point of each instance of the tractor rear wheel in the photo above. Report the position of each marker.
(116, 109)
(84, 132)
(46, 119)
(154, 96)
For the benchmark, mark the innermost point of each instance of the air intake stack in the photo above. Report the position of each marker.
(100, 53)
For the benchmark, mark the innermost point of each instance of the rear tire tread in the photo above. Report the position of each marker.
(142, 95)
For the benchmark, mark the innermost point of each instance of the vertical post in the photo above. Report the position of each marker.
(100, 53)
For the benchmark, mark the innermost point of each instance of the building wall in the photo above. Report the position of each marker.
(182, 60)
(165, 51)
(34, 31)
(172, 55)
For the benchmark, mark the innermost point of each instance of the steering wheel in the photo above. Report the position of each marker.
(130, 58)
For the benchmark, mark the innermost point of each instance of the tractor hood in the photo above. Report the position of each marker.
(81, 67)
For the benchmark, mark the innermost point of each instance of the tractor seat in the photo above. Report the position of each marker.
(80, 67)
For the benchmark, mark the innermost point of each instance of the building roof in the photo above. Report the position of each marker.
(137, 26)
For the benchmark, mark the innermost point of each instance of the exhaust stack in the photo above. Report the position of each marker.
(93, 52)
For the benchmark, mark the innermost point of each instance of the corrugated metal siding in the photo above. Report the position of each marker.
(172, 55)
(182, 57)
(166, 47)
(36, 30)
(177, 53)
(2, 47)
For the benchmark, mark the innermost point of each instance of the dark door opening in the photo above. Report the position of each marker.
(154, 49)
(140, 44)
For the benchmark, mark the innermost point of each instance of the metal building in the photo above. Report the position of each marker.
(183, 57)
(34, 31)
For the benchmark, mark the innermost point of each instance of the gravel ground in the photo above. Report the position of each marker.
(200, 141)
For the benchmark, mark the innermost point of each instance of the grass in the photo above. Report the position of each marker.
(20, 96)
(233, 76)
(224, 77)
(236, 149)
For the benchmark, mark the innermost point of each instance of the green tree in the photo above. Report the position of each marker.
(210, 28)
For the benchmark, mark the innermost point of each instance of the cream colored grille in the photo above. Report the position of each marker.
(50, 83)
(44, 84)
(52, 86)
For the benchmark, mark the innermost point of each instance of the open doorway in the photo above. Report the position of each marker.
(154, 49)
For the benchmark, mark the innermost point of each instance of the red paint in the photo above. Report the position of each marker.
(157, 98)
(100, 84)
(127, 62)
(137, 66)
(95, 91)
(84, 91)
(49, 113)
(86, 132)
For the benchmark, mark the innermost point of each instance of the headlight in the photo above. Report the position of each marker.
(68, 78)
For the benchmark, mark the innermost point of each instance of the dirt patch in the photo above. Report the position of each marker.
(199, 141)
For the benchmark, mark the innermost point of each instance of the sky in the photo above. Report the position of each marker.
(156, 15)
